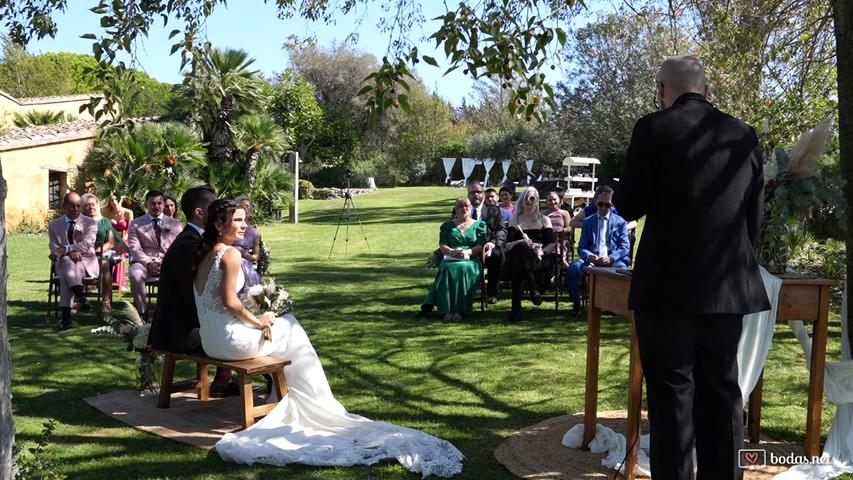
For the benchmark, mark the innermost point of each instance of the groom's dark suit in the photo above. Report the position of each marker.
(175, 326)
(696, 174)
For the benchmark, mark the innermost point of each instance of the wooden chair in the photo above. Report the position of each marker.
(91, 287)
(245, 369)
(152, 290)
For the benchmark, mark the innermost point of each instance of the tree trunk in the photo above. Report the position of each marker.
(7, 423)
(252, 165)
(843, 13)
(221, 149)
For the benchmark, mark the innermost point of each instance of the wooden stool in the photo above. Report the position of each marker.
(246, 369)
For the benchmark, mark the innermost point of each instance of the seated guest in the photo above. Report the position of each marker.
(505, 194)
(530, 249)
(492, 199)
(588, 210)
(560, 220)
(603, 243)
(495, 237)
(109, 241)
(120, 219)
(72, 247)
(249, 246)
(461, 240)
(170, 206)
(148, 238)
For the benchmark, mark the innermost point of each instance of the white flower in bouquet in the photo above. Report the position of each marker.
(267, 297)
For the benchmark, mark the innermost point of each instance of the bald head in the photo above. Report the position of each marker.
(680, 75)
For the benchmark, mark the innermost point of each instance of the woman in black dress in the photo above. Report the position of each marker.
(530, 251)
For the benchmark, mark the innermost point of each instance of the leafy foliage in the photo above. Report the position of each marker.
(42, 117)
(37, 465)
(131, 160)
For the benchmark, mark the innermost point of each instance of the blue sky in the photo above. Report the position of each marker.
(254, 26)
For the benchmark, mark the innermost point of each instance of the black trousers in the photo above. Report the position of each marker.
(494, 265)
(527, 272)
(690, 366)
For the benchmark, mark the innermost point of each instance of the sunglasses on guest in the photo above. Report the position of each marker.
(604, 204)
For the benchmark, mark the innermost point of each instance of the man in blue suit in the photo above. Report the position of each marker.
(603, 243)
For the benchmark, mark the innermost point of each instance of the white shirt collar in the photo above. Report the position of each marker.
(196, 227)
(155, 218)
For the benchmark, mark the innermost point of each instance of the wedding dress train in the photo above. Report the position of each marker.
(308, 426)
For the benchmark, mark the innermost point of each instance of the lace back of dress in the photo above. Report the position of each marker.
(210, 300)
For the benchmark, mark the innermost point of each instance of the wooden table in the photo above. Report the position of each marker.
(800, 298)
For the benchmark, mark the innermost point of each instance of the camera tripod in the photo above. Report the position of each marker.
(349, 209)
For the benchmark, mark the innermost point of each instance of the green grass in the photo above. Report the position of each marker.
(472, 383)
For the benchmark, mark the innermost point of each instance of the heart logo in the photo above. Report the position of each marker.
(751, 457)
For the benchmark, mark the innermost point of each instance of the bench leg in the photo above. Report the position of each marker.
(203, 381)
(166, 383)
(279, 383)
(248, 400)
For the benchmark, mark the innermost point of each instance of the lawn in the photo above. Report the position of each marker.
(472, 383)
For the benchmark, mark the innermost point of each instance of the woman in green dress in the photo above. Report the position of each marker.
(461, 241)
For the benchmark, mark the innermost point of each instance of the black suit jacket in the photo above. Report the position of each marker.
(175, 326)
(491, 214)
(696, 174)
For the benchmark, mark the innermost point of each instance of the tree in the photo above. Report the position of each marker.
(216, 92)
(421, 136)
(42, 117)
(610, 81)
(164, 156)
(294, 105)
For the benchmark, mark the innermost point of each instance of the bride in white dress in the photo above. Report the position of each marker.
(308, 426)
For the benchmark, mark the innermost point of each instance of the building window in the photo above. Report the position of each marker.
(55, 187)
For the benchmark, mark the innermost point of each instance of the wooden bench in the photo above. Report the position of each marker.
(245, 369)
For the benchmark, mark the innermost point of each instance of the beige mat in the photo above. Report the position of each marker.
(187, 420)
(536, 452)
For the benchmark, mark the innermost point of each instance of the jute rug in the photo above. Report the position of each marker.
(187, 420)
(536, 452)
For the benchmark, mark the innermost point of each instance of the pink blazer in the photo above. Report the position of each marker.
(84, 241)
(142, 242)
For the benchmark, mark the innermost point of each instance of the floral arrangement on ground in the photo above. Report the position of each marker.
(125, 323)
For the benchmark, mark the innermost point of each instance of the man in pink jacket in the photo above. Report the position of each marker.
(148, 238)
(72, 247)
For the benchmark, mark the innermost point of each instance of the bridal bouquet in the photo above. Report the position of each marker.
(267, 298)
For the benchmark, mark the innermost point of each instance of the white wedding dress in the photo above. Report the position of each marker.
(308, 426)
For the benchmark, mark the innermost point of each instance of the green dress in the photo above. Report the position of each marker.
(456, 284)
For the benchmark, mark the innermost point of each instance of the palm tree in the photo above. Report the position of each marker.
(216, 93)
(256, 133)
(164, 156)
(46, 117)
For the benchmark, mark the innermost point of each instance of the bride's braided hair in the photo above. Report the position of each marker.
(219, 211)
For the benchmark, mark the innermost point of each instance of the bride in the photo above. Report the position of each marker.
(308, 426)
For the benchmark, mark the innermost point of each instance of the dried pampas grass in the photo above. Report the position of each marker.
(127, 311)
(810, 146)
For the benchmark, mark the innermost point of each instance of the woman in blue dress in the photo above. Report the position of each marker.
(461, 241)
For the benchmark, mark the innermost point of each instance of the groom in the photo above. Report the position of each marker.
(175, 326)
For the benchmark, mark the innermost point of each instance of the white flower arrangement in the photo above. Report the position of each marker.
(78, 227)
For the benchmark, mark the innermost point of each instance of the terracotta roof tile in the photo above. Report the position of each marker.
(16, 138)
